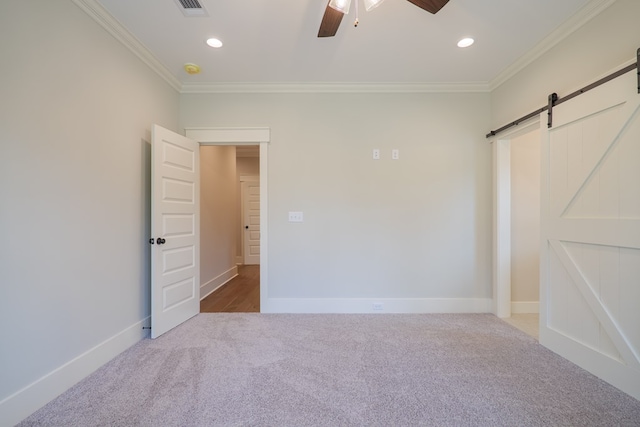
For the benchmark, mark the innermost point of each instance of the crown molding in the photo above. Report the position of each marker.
(584, 15)
(475, 87)
(120, 33)
(113, 27)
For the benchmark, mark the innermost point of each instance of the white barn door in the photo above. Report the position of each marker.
(175, 230)
(590, 249)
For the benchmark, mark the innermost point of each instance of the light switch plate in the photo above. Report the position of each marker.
(296, 217)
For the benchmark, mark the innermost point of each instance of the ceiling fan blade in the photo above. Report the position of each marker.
(330, 22)
(432, 6)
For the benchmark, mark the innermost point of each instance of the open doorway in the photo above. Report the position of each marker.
(230, 228)
(525, 223)
(525, 232)
(517, 225)
(241, 139)
(176, 212)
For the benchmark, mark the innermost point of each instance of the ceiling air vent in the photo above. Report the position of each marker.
(191, 8)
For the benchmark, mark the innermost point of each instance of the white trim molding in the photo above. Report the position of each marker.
(228, 136)
(120, 33)
(584, 15)
(501, 282)
(249, 178)
(99, 14)
(246, 136)
(377, 305)
(26, 401)
(502, 228)
(216, 283)
(326, 87)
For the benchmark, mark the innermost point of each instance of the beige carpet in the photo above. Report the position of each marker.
(340, 370)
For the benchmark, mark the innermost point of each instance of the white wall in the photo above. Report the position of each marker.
(75, 112)
(218, 217)
(525, 222)
(414, 229)
(595, 49)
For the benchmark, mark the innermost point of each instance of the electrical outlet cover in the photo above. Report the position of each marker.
(296, 217)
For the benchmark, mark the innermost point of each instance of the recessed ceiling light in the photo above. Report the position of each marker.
(214, 42)
(466, 42)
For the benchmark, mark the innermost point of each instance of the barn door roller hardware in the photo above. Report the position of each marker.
(554, 100)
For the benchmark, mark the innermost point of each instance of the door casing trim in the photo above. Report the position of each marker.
(246, 136)
(502, 217)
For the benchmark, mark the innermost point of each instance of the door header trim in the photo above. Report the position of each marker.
(229, 136)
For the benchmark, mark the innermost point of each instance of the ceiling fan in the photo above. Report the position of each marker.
(336, 9)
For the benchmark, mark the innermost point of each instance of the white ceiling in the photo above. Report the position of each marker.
(275, 41)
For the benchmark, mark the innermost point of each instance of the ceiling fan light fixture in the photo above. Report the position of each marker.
(371, 4)
(340, 5)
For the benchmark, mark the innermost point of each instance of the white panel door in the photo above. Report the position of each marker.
(251, 215)
(175, 228)
(590, 251)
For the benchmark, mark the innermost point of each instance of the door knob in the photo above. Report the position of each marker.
(160, 241)
(246, 226)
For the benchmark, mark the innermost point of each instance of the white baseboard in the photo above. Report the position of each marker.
(207, 289)
(525, 307)
(387, 305)
(239, 260)
(26, 401)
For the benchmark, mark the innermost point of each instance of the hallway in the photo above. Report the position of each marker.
(240, 295)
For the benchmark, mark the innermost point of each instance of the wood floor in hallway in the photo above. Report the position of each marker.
(240, 295)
